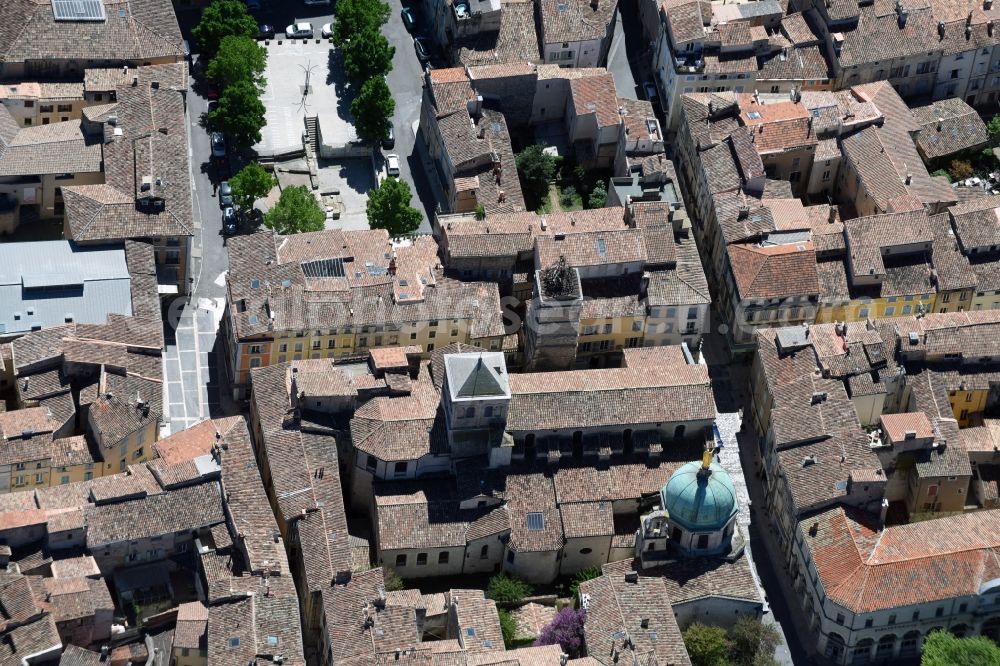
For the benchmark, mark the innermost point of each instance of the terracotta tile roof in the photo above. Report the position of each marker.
(641, 610)
(795, 64)
(896, 426)
(948, 126)
(451, 90)
(775, 271)
(879, 37)
(401, 427)
(56, 148)
(128, 404)
(133, 31)
(687, 21)
(477, 620)
(595, 248)
(869, 237)
(35, 637)
(953, 268)
(503, 50)
(534, 495)
(576, 20)
(594, 94)
(156, 515)
(587, 519)
(866, 571)
(153, 143)
(690, 579)
(192, 626)
(384, 358)
(977, 223)
(552, 400)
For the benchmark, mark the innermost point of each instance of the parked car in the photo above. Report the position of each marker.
(389, 140)
(228, 220)
(266, 31)
(409, 18)
(651, 94)
(423, 48)
(225, 195)
(392, 165)
(317, 2)
(327, 31)
(218, 144)
(299, 31)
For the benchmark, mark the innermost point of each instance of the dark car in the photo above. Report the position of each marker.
(409, 18)
(423, 48)
(225, 195)
(228, 220)
(266, 31)
(389, 140)
(218, 144)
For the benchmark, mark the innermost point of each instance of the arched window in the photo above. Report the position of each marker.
(885, 646)
(910, 644)
(679, 432)
(484, 552)
(862, 652)
(834, 647)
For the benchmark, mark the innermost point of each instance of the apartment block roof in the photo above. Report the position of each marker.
(56, 148)
(574, 399)
(977, 223)
(594, 94)
(147, 188)
(948, 126)
(131, 30)
(866, 570)
(639, 609)
(881, 35)
(128, 404)
(331, 279)
(516, 41)
(594, 248)
(575, 20)
(774, 271)
(870, 238)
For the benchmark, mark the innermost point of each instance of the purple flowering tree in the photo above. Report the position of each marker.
(565, 630)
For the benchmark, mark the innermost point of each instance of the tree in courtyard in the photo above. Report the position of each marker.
(251, 183)
(389, 208)
(393, 583)
(536, 168)
(508, 627)
(372, 110)
(944, 649)
(706, 646)
(297, 211)
(565, 630)
(240, 114)
(239, 59)
(505, 589)
(221, 19)
(752, 642)
(598, 196)
(355, 17)
(368, 56)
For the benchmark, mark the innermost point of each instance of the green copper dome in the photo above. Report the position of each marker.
(699, 499)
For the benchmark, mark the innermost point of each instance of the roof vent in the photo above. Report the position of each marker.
(910, 434)
(632, 577)
(914, 338)
(818, 397)
(809, 460)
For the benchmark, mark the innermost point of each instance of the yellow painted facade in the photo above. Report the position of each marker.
(875, 308)
(598, 336)
(954, 301)
(967, 404)
(986, 300)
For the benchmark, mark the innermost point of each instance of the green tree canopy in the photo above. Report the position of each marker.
(507, 589)
(707, 646)
(598, 196)
(389, 208)
(993, 127)
(239, 59)
(536, 169)
(508, 627)
(297, 211)
(372, 109)
(221, 19)
(944, 649)
(251, 183)
(752, 642)
(240, 114)
(368, 56)
(355, 17)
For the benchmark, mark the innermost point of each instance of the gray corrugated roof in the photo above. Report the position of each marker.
(43, 283)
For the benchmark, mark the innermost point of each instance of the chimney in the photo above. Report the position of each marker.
(902, 13)
(909, 178)
(632, 577)
(594, 4)
(939, 123)
(940, 30)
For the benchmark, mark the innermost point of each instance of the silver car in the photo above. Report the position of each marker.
(299, 31)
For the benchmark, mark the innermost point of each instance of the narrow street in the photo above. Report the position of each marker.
(195, 370)
(731, 386)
